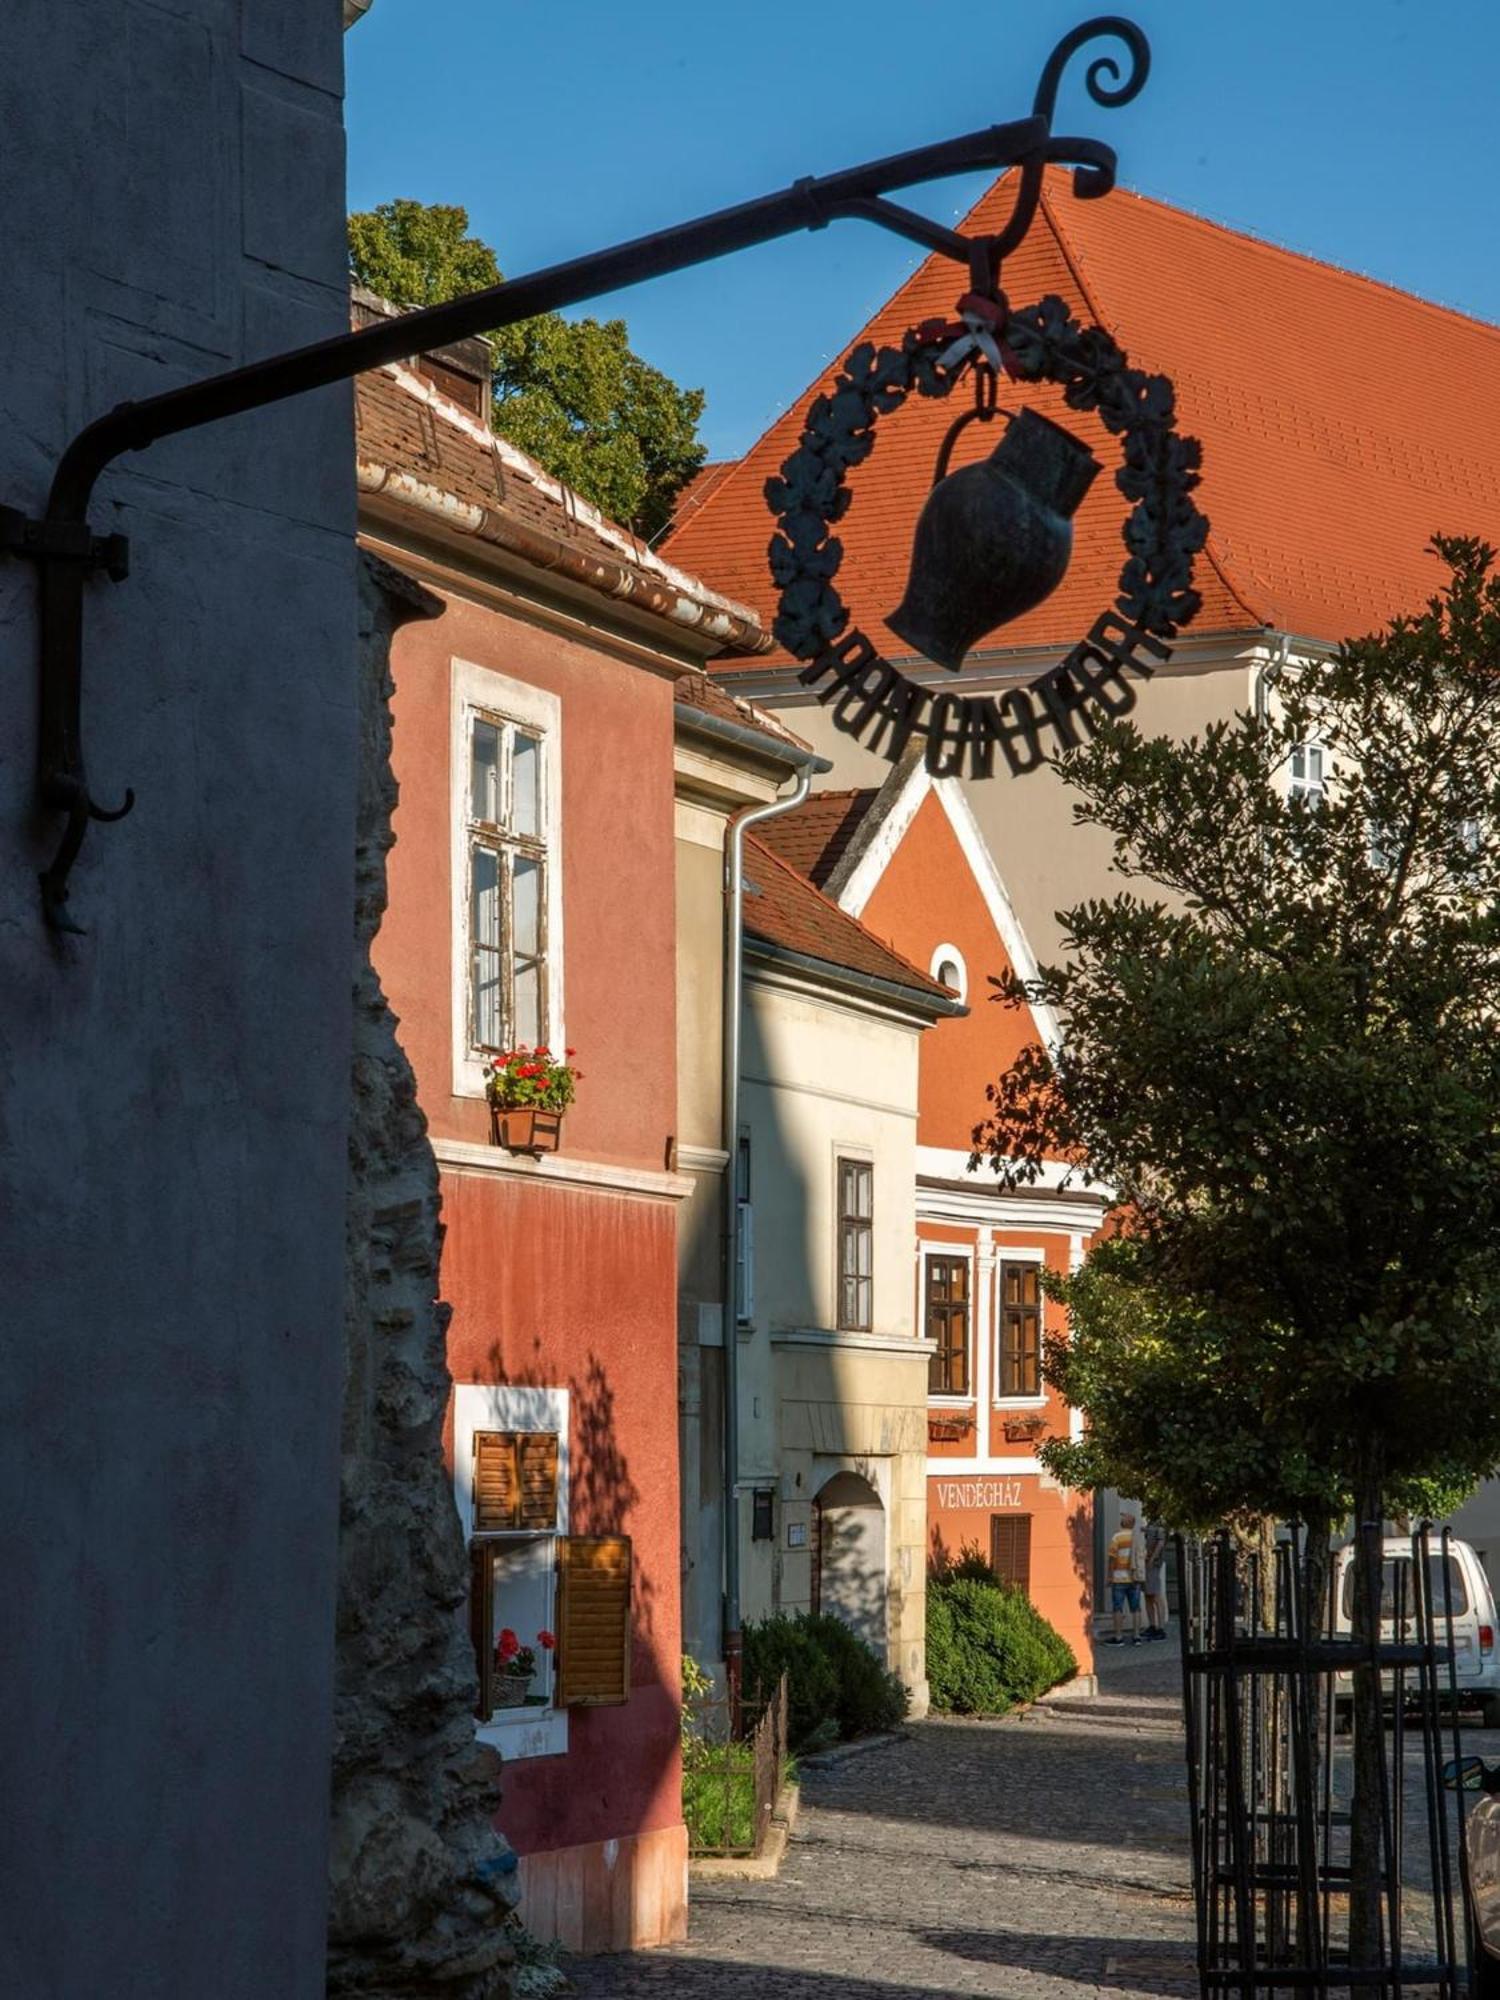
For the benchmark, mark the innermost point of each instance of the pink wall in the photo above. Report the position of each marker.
(567, 1286)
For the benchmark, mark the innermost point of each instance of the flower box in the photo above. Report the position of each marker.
(510, 1690)
(525, 1128)
(949, 1429)
(1023, 1430)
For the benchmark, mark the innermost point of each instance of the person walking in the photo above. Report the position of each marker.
(1127, 1569)
(1156, 1580)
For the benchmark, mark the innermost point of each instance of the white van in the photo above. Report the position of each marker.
(1468, 1597)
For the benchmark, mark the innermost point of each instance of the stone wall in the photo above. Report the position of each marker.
(174, 1082)
(419, 1881)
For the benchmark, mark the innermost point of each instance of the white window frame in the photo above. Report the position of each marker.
(489, 1406)
(856, 1156)
(482, 694)
(963, 1253)
(1005, 1255)
(941, 956)
(1311, 790)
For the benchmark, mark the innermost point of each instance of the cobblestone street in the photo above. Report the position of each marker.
(1043, 1856)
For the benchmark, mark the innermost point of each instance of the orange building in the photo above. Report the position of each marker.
(910, 862)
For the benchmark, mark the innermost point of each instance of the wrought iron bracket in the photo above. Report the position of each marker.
(68, 552)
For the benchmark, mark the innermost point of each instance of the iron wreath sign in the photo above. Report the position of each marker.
(1007, 529)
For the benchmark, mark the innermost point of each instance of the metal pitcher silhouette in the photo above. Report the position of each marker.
(994, 538)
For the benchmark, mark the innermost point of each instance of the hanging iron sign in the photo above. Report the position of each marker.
(993, 539)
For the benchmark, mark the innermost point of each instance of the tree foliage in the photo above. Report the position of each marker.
(570, 392)
(1287, 1071)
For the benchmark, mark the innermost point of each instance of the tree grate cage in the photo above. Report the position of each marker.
(1324, 1860)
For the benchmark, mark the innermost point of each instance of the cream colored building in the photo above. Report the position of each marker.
(833, 1372)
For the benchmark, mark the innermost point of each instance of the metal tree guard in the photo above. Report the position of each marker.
(68, 552)
(1269, 1776)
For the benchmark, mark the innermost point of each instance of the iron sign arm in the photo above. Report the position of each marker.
(68, 553)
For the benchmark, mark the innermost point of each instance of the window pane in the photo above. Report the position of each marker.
(526, 783)
(484, 772)
(526, 908)
(527, 979)
(864, 1241)
(864, 1181)
(487, 999)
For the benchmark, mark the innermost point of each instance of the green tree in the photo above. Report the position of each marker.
(1287, 1071)
(570, 392)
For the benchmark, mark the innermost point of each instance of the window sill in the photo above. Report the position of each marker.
(950, 1402)
(1021, 1402)
(875, 1343)
(526, 1732)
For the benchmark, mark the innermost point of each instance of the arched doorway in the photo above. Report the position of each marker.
(850, 1559)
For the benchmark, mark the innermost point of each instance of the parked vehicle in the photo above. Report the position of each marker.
(1462, 1594)
(1480, 1864)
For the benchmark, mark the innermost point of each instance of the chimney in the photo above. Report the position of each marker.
(461, 371)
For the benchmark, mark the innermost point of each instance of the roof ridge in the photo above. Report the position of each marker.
(1073, 258)
(924, 981)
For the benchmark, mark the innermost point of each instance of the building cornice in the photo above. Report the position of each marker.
(562, 1171)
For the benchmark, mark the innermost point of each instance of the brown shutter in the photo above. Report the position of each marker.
(482, 1621)
(538, 1479)
(497, 1481)
(1010, 1549)
(593, 1621)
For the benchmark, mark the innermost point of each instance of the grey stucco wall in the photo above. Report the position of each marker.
(174, 1084)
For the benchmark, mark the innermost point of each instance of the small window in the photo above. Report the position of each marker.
(1306, 781)
(744, 1239)
(510, 1002)
(762, 1526)
(948, 969)
(856, 1185)
(1010, 1549)
(1020, 1330)
(948, 1324)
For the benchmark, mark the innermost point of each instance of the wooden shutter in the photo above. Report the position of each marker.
(593, 1621)
(538, 1479)
(515, 1480)
(482, 1621)
(1010, 1549)
(497, 1480)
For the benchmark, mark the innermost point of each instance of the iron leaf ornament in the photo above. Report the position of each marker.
(873, 700)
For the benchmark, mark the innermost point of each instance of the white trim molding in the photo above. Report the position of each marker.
(946, 954)
(911, 1345)
(600, 1176)
(481, 691)
(702, 1159)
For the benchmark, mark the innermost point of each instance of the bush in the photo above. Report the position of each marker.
(988, 1647)
(836, 1685)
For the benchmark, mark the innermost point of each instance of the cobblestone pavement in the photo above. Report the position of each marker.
(1042, 1857)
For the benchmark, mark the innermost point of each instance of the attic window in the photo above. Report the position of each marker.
(949, 970)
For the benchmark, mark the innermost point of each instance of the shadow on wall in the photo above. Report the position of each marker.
(854, 1586)
(1081, 1548)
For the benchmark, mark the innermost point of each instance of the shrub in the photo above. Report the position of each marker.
(970, 1562)
(833, 1678)
(988, 1647)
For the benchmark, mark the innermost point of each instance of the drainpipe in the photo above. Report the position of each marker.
(734, 959)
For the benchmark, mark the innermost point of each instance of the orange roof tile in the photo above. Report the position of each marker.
(783, 908)
(696, 690)
(705, 481)
(1343, 422)
(813, 836)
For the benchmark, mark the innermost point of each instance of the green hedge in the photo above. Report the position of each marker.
(837, 1687)
(988, 1647)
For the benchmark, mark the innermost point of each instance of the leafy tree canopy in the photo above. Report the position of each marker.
(570, 392)
(1286, 1070)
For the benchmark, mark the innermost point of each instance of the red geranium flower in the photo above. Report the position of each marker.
(546, 1639)
(507, 1645)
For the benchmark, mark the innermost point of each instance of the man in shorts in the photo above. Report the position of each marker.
(1127, 1569)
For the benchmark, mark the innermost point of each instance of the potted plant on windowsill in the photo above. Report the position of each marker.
(528, 1092)
(1023, 1426)
(515, 1668)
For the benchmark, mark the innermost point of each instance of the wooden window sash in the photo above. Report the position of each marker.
(856, 1280)
(482, 1623)
(501, 838)
(948, 1324)
(594, 1590)
(1020, 1330)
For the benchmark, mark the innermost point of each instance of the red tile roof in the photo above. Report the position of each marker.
(1343, 422)
(813, 836)
(705, 481)
(783, 908)
(696, 690)
(412, 436)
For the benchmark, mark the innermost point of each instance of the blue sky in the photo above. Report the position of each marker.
(1362, 131)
